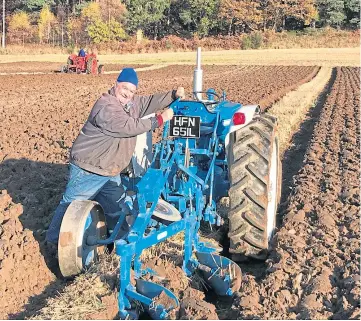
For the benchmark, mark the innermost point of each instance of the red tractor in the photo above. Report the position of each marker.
(87, 64)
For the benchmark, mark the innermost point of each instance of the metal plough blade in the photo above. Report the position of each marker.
(222, 274)
(163, 300)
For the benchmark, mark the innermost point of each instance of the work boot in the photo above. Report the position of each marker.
(124, 229)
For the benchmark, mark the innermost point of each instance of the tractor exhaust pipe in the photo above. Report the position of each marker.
(198, 76)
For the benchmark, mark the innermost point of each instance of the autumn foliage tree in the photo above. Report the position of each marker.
(241, 15)
(19, 26)
(102, 21)
(281, 10)
(101, 31)
(45, 23)
(83, 22)
(75, 30)
(113, 9)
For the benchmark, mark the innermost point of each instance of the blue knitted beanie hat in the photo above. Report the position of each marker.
(128, 75)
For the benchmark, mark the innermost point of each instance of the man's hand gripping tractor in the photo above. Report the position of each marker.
(217, 149)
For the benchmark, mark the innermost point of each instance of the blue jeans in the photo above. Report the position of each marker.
(84, 185)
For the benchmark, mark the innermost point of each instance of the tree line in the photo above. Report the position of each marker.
(83, 22)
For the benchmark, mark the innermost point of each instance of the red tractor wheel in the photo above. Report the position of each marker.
(89, 65)
(92, 66)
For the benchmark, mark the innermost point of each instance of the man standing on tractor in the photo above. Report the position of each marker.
(100, 158)
(81, 53)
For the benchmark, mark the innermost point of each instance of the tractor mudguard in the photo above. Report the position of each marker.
(249, 111)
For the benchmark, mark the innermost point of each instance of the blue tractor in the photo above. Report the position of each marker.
(212, 148)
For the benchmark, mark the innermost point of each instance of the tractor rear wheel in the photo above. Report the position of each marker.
(92, 66)
(89, 65)
(82, 219)
(255, 177)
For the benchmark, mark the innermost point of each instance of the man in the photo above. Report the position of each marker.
(81, 53)
(102, 152)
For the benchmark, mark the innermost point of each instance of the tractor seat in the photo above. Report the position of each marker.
(206, 130)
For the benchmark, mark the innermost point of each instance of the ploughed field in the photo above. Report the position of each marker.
(313, 270)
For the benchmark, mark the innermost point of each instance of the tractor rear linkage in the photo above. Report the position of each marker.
(189, 202)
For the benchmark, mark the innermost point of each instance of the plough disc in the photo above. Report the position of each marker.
(166, 211)
(163, 300)
(222, 274)
(81, 220)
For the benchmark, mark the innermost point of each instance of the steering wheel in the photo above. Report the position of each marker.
(207, 92)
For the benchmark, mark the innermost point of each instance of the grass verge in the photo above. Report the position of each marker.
(292, 108)
(302, 57)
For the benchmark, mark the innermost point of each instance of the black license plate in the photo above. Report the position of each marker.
(185, 126)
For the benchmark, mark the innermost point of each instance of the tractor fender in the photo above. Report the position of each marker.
(249, 111)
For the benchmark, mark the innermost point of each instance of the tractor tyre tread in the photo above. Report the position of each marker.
(89, 65)
(254, 172)
(249, 195)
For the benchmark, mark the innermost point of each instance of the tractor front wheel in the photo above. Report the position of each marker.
(255, 177)
(82, 219)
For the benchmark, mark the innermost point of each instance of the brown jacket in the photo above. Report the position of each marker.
(106, 143)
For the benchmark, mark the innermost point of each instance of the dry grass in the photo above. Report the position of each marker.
(303, 57)
(292, 108)
(169, 250)
(83, 296)
(32, 49)
(307, 38)
(312, 38)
